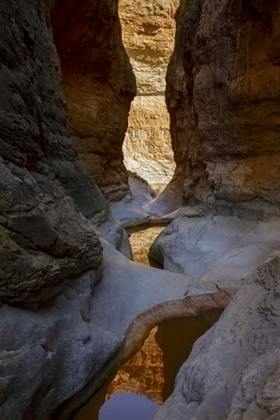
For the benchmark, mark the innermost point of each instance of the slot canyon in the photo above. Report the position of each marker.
(102, 101)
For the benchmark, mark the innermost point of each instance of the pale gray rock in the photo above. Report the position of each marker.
(129, 211)
(216, 248)
(112, 230)
(233, 372)
(140, 189)
(50, 351)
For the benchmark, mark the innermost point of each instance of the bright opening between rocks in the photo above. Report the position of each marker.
(148, 32)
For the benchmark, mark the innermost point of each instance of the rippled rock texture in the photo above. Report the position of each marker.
(233, 372)
(148, 30)
(98, 86)
(223, 97)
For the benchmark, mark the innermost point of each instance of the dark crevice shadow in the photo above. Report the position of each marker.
(176, 338)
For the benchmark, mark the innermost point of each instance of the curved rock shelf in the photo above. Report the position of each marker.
(136, 334)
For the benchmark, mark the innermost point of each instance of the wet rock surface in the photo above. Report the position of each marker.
(233, 370)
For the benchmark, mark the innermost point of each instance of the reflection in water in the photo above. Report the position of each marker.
(150, 373)
(141, 240)
(127, 407)
(143, 373)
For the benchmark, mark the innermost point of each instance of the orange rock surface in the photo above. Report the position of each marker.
(148, 31)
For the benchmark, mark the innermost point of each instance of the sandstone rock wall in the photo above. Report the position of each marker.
(148, 30)
(223, 98)
(98, 86)
(43, 237)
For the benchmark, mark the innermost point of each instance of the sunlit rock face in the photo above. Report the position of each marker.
(148, 30)
(223, 97)
(98, 86)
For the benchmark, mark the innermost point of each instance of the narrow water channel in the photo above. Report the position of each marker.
(146, 380)
(141, 241)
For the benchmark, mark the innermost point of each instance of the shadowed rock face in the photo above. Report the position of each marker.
(43, 237)
(98, 86)
(223, 98)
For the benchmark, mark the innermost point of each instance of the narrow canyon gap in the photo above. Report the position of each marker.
(148, 32)
(72, 307)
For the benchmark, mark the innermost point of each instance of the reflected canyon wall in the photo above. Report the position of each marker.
(152, 371)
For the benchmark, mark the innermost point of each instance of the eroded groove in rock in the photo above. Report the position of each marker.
(223, 97)
(98, 86)
(137, 333)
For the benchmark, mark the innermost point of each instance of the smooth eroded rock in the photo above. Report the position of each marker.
(233, 371)
(216, 248)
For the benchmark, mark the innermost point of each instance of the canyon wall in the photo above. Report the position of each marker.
(44, 237)
(98, 86)
(50, 255)
(223, 95)
(148, 31)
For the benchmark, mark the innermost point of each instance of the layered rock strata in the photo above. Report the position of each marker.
(223, 99)
(233, 371)
(148, 31)
(98, 86)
